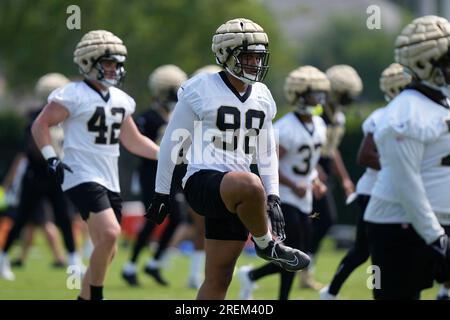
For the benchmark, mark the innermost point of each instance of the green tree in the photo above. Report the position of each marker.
(34, 38)
(349, 41)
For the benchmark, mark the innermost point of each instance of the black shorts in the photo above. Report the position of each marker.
(405, 262)
(92, 197)
(40, 214)
(202, 192)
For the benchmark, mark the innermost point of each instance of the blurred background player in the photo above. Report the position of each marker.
(407, 205)
(163, 83)
(95, 116)
(346, 85)
(38, 185)
(392, 81)
(301, 136)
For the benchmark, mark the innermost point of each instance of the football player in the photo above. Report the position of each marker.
(228, 116)
(95, 116)
(301, 136)
(163, 83)
(346, 85)
(392, 81)
(406, 239)
(37, 185)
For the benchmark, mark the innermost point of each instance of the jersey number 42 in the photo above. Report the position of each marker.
(97, 123)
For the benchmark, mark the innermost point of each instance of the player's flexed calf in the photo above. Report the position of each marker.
(236, 110)
(95, 117)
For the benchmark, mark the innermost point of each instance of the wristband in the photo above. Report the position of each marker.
(48, 152)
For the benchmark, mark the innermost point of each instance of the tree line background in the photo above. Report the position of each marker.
(34, 40)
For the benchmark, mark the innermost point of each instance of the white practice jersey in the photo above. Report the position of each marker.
(367, 180)
(229, 130)
(302, 147)
(91, 133)
(413, 141)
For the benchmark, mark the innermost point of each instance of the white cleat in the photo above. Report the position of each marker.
(5, 269)
(247, 286)
(194, 283)
(325, 295)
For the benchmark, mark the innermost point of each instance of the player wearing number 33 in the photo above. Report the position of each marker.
(95, 116)
(234, 110)
(301, 136)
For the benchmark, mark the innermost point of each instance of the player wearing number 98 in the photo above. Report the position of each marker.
(235, 111)
(95, 116)
(301, 135)
(409, 203)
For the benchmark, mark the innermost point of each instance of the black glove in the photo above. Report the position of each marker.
(441, 266)
(159, 208)
(276, 216)
(442, 247)
(56, 167)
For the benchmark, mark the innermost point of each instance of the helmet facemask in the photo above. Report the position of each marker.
(440, 75)
(248, 63)
(345, 99)
(168, 98)
(99, 73)
(311, 103)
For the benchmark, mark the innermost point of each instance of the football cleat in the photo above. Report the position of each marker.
(325, 295)
(5, 269)
(155, 274)
(285, 257)
(130, 278)
(194, 283)
(247, 285)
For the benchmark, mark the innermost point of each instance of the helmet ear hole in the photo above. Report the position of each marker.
(420, 65)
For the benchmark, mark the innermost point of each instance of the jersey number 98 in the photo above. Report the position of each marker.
(229, 120)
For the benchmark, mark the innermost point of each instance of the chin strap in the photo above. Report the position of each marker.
(445, 90)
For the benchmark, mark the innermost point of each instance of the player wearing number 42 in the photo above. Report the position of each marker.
(95, 116)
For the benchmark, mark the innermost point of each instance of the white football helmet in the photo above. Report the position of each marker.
(306, 88)
(235, 43)
(164, 83)
(420, 47)
(211, 68)
(47, 83)
(346, 84)
(393, 80)
(96, 46)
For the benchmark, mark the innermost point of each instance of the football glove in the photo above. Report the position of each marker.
(56, 168)
(442, 247)
(276, 216)
(159, 208)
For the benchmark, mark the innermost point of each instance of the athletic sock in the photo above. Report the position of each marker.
(96, 292)
(263, 241)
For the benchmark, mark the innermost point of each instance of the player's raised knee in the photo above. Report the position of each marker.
(248, 185)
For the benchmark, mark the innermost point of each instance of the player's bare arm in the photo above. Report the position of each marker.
(368, 154)
(135, 142)
(299, 189)
(53, 114)
(342, 172)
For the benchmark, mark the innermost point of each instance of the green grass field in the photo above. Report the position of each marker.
(37, 279)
